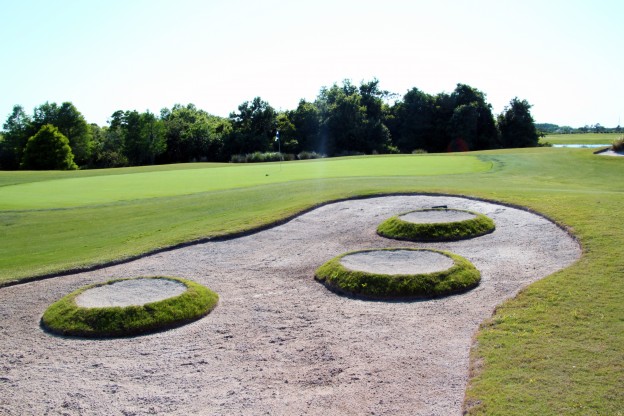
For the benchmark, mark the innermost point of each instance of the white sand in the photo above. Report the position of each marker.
(397, 262)
(130, 292)
(279, 342)
(436, 216)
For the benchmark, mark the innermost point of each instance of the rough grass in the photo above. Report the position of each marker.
(580, 138)
(64, 317)
(399, 229)
(461, 277)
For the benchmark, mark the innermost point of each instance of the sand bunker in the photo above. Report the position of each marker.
(280, 343)
(609, 152)
(130, 292)
(394, 262)
(436, 216)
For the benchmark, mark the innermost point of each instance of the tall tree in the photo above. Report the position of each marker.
(17, 130)
(472, 121)
(412, 126)
(48, 149)
(71, 123)
(190, 134)
(306, 119)
(142, 134)
(516, 125)
(253, 128)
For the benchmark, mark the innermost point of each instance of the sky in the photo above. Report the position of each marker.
(564, 57)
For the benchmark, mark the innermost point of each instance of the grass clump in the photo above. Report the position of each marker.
(618, 144)
(460, 277)
(65, 317)
(399, 229)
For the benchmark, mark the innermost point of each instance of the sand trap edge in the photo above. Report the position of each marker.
(398, 229)
(65, 318)
(461, 277)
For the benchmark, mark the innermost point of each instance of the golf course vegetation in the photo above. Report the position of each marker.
(399, 229)
(556, 348)
(581, 138)
(65, 317)
(460, 277)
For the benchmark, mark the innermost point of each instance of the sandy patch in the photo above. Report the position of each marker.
(436, 216)
(609, 152)
(279, 342)
(397, 262)
(130, 292)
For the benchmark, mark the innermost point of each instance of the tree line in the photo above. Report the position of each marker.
(344, 119)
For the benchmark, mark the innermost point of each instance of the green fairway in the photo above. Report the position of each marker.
(581, 138)
(554, 349)
(34, 191)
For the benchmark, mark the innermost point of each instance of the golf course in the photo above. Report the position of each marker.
(555, 348)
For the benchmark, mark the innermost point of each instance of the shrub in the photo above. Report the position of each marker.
(48, 150)
(310, 155)
(618, 144)
(259, 157)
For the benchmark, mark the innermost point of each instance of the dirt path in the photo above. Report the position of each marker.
(279, 343)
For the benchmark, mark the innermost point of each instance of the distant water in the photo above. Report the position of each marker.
(581, 146)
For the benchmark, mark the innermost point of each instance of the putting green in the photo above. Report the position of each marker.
(75, 191)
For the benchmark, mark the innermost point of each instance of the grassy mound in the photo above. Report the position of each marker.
(462, 276)
(65, 317)
(399, 229)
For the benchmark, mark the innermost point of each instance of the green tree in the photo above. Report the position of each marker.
(191, 135)
(472, 121)
(70, 123)
(107, 148)
(48, 149)
(412, 125)
(253, 128)
(516, 125)
(142, 134)
(306, 119)
(16, 133)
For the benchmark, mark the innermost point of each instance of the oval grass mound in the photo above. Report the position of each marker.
(432, 226)
(66, 317)
(459, 277)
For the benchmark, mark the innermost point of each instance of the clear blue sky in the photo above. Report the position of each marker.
(565, 57)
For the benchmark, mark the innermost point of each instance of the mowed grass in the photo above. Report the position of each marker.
(554, 349)
(31, 190)
(581, 138)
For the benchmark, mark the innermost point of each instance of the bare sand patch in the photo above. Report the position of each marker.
(394, 262)
(280, 343)
(435, 216)
(130, 292)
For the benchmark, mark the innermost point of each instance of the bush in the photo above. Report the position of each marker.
(259, 157)
(310, 155)
(48, 150)
(618, 144)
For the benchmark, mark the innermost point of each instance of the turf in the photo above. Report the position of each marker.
(555, 349)
(462, 276)
(581, 138)
(395, 227)
(79, 190)
(64, 317)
